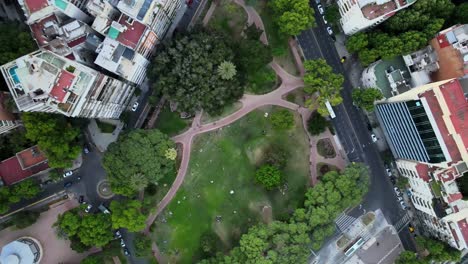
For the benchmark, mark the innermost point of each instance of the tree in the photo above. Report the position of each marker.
(24, 219)
(209, 242)
(76, 245)
(408, 257)
(171, 154)
(321, 79)
(365, 98)
(269, 176)
(460, 14)
(227, 70)
(368, 56)
(282, 119)
(55, 136)
(92, 259)
(357, 42)
(126, 214)
(26, 189)
(186, 72)
(95, 230)
(438, 251)
(142, 245)
(140, 152)
(275, 155)
(16, 41)
(252, 32)
(293, 16)
(332, 14)
(317, 124)
(138, 181)
(12, 143)
(252, 55)
(68, 223)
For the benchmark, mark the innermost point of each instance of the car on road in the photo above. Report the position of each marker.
(86, 150)
(399, 198)
(122, 242)
(81, 199)
(67, 184)
(126, 251)
(330, 31)
(397, 191)
(403, 205)
(325, 21)
(135, 106)
(320, 9)
(117, 234)
(411, 228)
(392, 180)
(374, 138)
(68, 174)
(88, 208)
(104, 209)
(389, 172)
(343, 59)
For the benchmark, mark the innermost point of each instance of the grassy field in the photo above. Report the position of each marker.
(170, 122)
(222, 162)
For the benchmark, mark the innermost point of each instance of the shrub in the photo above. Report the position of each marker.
(269, 176)
(282, 119)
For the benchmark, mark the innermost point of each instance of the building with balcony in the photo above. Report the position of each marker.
(45, 82)
(427, 131)
(357, 15)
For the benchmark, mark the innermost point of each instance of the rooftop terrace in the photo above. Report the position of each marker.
(373, 10)
(394, 69)
(35, 5)
(133, 32)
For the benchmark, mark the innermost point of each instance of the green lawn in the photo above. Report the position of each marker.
(105, 127)
(170, 122)
(223, 161)
(227, 110)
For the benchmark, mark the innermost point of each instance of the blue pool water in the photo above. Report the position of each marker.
(13, 74)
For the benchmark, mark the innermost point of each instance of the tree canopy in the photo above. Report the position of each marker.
(282, 119)
(126, 214)
(269, 176)
(9, 195)
(15, 41)
(140, 153)
(317, 124)
(438, 251)
(321, 79)
(55, 136)
(187, 72)
(365, 98)
(293, 16)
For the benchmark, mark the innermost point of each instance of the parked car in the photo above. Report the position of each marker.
(320, 9)
(67, 184)
(88, 208)
(81, 199)
(135, 106)
(403, 205)
(343, 59)
(325, 21)
(397, 191)
(122, 242)
(389, 172)
(330, 31)
(411, 228)
(399, 198)
(86, 150)
(374, 138)
(117, 234)
(104, 209)
(126, 251)
(68, 174)
(392, 180)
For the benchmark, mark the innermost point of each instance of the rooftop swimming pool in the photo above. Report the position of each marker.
(13, 75)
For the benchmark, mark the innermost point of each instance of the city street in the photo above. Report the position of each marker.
(351, 129)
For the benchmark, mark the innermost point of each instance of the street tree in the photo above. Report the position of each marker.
(269, 176)
(321, 79)
(357, 42)
(317, 124)
(26, 189)
(55, 136)
(282, 119)
(293, 16)
(366, 97)
(186, 72)
(332, 14)
(142, 245)
(140, 152)
(95, 230)
(68, 223)
(408, 257)
(24, 219)
(460, 14)
(126, 214)
(438, 251)
(227, 70)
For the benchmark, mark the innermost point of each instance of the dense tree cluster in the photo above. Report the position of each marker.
(407, 31)
(321, 79)
(269, 176)
(317, 124)
(289, 242)
(15, 41)
(439, 252)
(12, 143)
(293, 16)
(137, 159)
(127, 215)
(9, 195)
(142, 245)
(365, 98)
(187, 72)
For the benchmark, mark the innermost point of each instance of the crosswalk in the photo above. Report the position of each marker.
(343, 221)
(402, 222)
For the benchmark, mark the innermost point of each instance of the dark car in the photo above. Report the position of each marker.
(67, 184)
(81, 199)
(392, 179)
(126, 251)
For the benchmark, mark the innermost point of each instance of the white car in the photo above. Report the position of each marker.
(397, 191)
(389, 172)
(320, 9)
(374, 138)
(330, 31)
(399, 198)
(88, 208)
(325, 21)
(122, 242)
(135, 106)
(403, 205)
(68, 174)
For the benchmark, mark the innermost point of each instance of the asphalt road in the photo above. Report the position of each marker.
(351, 129)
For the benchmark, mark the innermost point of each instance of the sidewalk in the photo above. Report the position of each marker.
(103, 140)
(352, 65)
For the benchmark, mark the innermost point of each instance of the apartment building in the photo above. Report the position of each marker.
(45, 82)
(357, 15)
(7, 119)
(427, 131)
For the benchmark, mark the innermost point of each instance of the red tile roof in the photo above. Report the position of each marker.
(76, 42)
(70, 56)
(454, 197)
(30, 157)
(463, 228)
(442, 40)
(37, 28)
(59, 90)
(458, 106)
(454, 234)
(423, 171)
(437, 113)
(11, 171)
(131, 36)
(35, 5)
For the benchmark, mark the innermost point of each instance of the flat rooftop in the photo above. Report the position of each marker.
(450, 60)
(64, 82)
(30, 157)
(133, 32)
(11, 170)
(35, 5)
(373, 10)
(37, 29)
(457, 103)
(385, 66)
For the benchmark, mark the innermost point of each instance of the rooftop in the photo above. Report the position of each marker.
(132, 33)
(11, 170)
(35, 5)
(457, 102)
(463, 226)
(449, 58)
(64, 82)
(423, 171)
(392, 70)
(373, 10)
(38, 29)
(30, 157)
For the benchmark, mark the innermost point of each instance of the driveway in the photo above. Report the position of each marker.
(54, 250)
